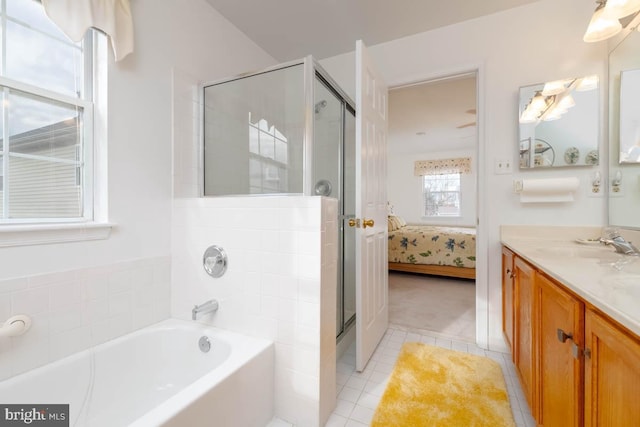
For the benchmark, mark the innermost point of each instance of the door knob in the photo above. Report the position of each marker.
(354, 222)
(367, 223)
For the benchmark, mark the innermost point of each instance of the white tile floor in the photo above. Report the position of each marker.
(360, 392)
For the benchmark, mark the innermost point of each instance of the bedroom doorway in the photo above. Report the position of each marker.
(432, 121)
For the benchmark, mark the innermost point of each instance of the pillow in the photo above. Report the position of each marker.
(395, 222)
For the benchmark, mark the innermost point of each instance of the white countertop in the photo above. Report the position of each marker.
(601, 277)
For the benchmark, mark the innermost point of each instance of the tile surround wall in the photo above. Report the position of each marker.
(280, 285)
(76, 309)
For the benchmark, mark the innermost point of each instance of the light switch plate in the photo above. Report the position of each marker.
(503, 166)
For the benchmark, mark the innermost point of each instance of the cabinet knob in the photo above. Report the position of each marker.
(563, 336)
(575, 351)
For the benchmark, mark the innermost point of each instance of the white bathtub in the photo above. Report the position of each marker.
(158, 376)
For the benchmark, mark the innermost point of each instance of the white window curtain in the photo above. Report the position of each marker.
(442, 166)
(113, 17)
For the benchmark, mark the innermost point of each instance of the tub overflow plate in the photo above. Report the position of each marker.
(204, 344)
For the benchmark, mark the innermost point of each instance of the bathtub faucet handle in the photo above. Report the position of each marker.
(204, 308)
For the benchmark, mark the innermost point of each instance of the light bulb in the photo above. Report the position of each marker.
(587, 83)
(553, 88)
(602, 26)
(621, 8)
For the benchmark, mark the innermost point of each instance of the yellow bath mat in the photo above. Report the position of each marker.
(433, 386)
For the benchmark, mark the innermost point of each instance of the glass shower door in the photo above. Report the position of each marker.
(334, 176)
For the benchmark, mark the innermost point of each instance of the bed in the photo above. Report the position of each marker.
(429, 249)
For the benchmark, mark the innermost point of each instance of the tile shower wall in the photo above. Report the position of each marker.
(76, 309)
(280, 284)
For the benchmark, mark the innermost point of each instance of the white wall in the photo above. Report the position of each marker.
(538, 42)
(404, 189)
(85, 292)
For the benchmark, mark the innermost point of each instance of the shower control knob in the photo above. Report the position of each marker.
(367, 223)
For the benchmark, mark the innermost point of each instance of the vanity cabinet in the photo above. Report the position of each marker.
(524, 331)
(561, 331)
(577, 367)
(507, 300)
(612, 374)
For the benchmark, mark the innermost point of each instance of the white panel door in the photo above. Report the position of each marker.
(372, 278)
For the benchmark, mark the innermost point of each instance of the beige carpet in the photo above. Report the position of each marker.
(436, 387)
(437, 304)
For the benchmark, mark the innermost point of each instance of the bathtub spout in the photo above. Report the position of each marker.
(207, 307)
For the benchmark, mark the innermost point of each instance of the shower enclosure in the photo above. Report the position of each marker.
(289, 129)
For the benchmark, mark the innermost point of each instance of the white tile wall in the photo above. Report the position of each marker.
(73, 310)
(280, 285)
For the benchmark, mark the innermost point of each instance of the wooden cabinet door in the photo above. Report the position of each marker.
(560, 335)
(507, 297)
(612, 374)
(524, 331)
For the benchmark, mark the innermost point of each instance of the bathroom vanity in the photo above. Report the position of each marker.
(571, 317)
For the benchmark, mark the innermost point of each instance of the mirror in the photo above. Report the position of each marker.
(624, 132)
(558, 123)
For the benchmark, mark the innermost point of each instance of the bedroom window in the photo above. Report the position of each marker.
(46, 86)
(441, 194)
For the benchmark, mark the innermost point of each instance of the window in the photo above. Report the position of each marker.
(46, 142)
(441, 194)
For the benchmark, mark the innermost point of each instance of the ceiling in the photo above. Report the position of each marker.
(435, 116)
(292, 29)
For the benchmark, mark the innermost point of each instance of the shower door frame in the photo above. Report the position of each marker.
(314, 70)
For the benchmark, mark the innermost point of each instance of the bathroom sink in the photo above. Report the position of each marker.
(630, 265)
(600, 253)
(628, 285)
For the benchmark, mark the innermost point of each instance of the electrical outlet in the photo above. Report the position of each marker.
(503, 166)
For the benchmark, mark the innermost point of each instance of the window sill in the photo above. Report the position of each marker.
(42, 234)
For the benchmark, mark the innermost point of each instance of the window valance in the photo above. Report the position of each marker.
(442, 166)
(112, 17)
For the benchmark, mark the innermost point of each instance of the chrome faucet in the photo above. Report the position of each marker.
(621, 245)
(204, 308)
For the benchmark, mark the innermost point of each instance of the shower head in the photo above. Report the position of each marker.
(320, 105)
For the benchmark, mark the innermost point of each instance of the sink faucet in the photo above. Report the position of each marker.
(206, 307)
(621, 245)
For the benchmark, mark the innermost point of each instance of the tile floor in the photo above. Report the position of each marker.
(360, 392)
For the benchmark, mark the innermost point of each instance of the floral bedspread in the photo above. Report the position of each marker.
(426, 244)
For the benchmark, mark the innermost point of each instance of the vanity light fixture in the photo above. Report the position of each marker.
(605, 21)
(548, 108)
(536, 107)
